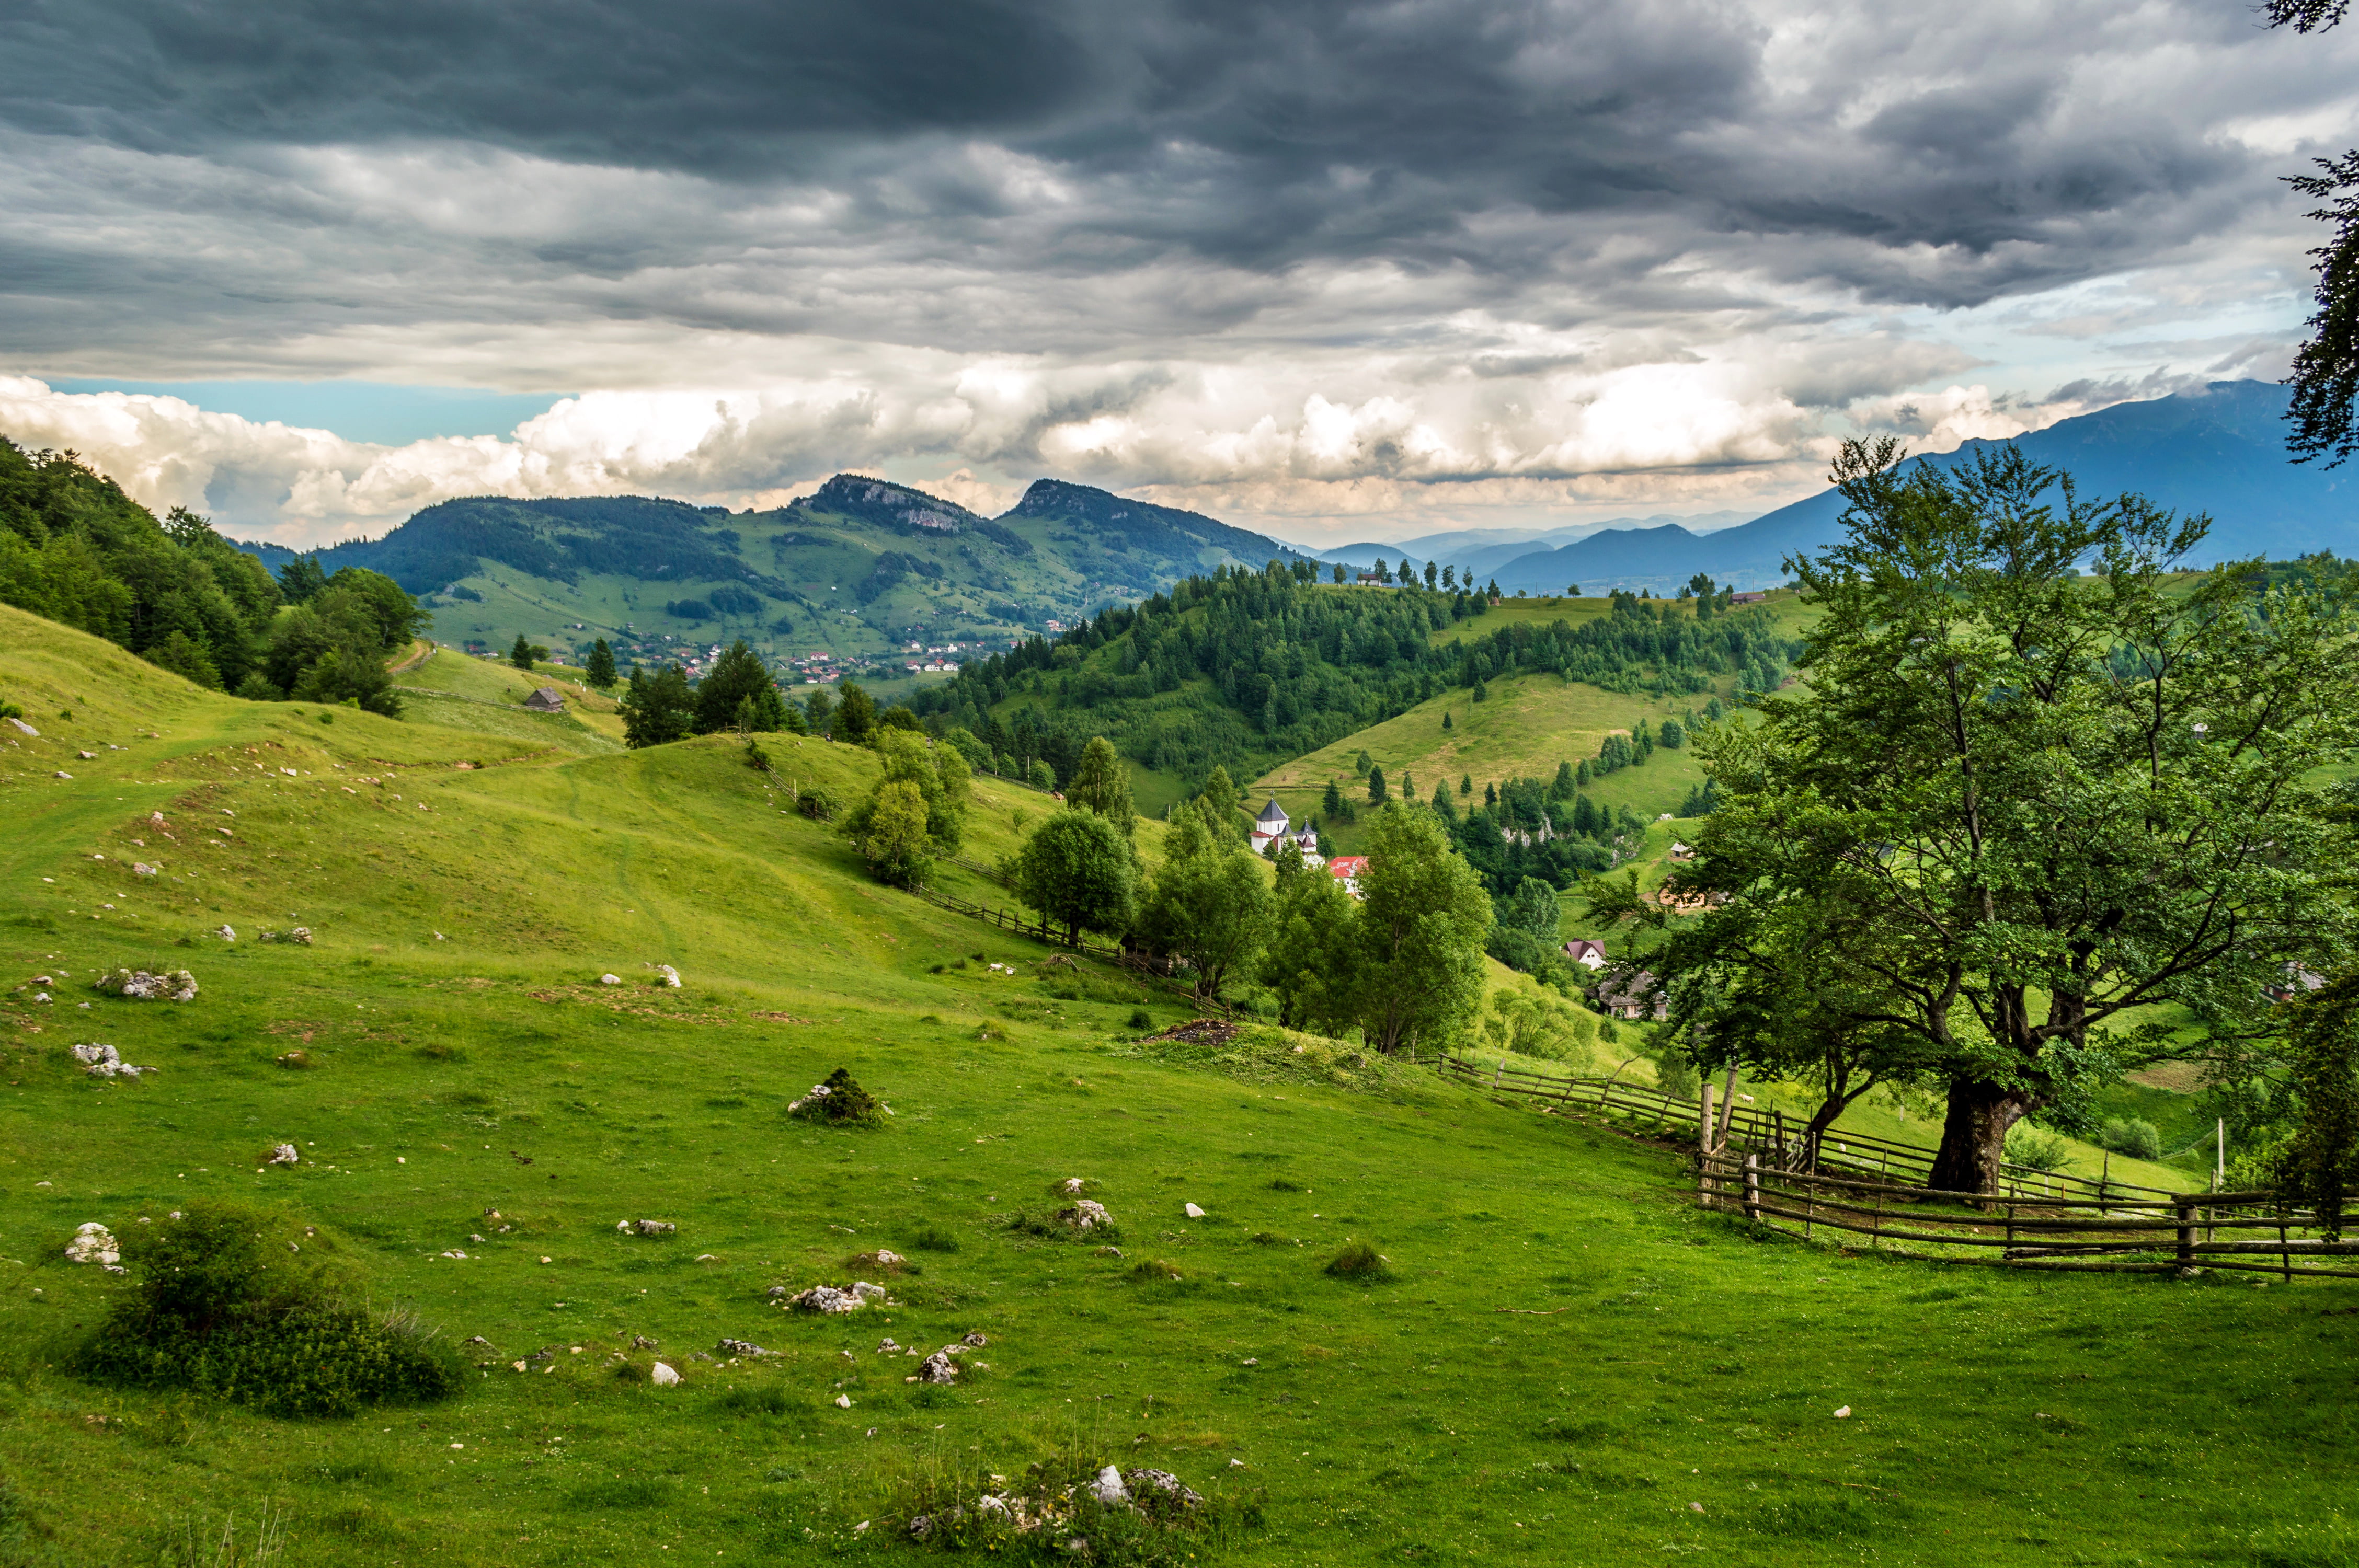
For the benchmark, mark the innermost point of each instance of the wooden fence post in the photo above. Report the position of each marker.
(1753, 1188)
(2186, 1207)
(1703, 1121)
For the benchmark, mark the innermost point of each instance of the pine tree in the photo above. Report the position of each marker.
(600, 668)
(1375, 786)
(1332, 803)
(855, 715)
(1103, 784)
(526, 653)
(1465, 785)
(1445, 719)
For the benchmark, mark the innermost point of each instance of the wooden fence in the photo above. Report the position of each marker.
(2247, 1232)
(1773, 1135)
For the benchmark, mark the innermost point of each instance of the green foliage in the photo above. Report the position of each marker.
(526, 653)
(2131, 1135)
(223, 1304)
(76, 549)
(737, 692)
(918, 810)
(1080, 873)
(1100, 784)
(1360, 1262)
(855, 715)
(2037, 1148)
(1422, 924)
(1533, 1024)
(1040, 775)
(839, 1101)
(1209, 904)
(1532, 908)
(600, 669)
(657, 708)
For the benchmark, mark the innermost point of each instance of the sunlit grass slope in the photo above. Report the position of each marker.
(1528, 724)
(1566, 1356)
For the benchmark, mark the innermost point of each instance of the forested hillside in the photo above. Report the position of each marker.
(1242, 669)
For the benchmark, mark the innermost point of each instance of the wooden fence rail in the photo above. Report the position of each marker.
(1772, 1134)
(2129, 1235)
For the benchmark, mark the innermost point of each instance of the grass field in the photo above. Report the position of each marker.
(1528, 725)
(1785, 603)
(1569, 1362)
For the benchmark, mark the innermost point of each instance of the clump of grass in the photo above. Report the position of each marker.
(1141, 1018)
(839, 1102)
(1360, 1261)
(990, 1031)
(441, 1050)
(1154, 1269)
(871, 1265)
(769, 1399)
(1040, 1513)
(933, 1240)
(1264, 1239)
(228, 1304)
(1281, 1185)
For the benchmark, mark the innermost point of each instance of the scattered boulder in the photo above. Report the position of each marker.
(834, 1299)
(298, 1058)
(224, 933)
(663, 1376)
(641, 1342)
(87, 756)
(283, 1154)
(670, 976)
(938, 1368)
(93, 1243)
(1108, 1487)
(1160, 1486)
(646, 1226)
(301, 935)
(887, 1348)
(843, 1402)
(63, 775)
(102, 1062)
(142, 869)
(610, 980)
(838, 1099)
(975, 1341)
(1194, 1213)
(1087, 1214)
(141, 985)
(24, 728)
(742, 1347)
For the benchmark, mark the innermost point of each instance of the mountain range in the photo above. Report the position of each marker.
(2219, 450)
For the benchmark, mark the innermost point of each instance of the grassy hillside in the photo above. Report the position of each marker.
(1566, 1356)
(1528, 724)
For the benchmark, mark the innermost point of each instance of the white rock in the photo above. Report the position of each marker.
(141, 868)
(610, 980)
(1074, 1186)
(63, 775)
(826, 1299)
(224, 933)
(1842, 1414)
(139, 985)
(100, 1060)
(883, 1256)
(671, 976)
(663, 1376)
(843, 1402)
(646, 1226)
(24, 726)
(1086, 1215)
(1194, 1213)
(286, 1154)
(87, 756)
(938, 1368)
(1108, 1487)
(93, 1243)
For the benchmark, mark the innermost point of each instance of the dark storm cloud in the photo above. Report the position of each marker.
(1251, 134)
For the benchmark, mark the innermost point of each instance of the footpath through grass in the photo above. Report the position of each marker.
(1566, 1363)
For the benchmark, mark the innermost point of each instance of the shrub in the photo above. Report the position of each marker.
(1141, 1018)
(1359, 1261)
(1154, 1269)
(219, 1309)
(839, 1101)
(2037, 1148)
(817, 805)
(931, 1239)
(1281, 1185)
(2131, 1135)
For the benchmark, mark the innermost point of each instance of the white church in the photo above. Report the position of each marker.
(1270, 829)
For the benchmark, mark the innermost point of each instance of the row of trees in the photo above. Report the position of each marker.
(2023, 821)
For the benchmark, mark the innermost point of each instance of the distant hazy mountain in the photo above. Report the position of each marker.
(2220, 451)
(1484, 550)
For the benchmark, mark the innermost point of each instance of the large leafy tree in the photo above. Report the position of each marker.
(657, 708)
(1312, 959)
(940, 774)
(2044, 799)
(1100, 784)
(1209, 903)
(737, 683)
(1421, 924)
(2326, 369)
(1080, 873)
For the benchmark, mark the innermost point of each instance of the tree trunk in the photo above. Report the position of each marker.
(1974, 1136)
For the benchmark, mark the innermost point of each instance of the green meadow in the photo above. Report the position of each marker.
(1563, 1360)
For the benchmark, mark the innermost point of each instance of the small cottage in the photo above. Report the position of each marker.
(1587, 954)
(548, 699)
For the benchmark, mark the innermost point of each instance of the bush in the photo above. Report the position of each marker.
(1141, 1018)
(839, 1101)
(817, 805)
(933, 1240)
(2131, 1135)
(2037, 1148)
(221, 1309)
(1360, 1261)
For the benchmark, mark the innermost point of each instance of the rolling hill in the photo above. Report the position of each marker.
(2220, 449)
(857, 570)
(1564, 1360)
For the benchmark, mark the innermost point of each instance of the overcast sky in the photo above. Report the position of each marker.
(1339, 271)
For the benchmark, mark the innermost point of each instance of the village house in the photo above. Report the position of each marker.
(548, 699)
(1348, 870)
(1683, 852)
(1633, 995)
(1587, 954)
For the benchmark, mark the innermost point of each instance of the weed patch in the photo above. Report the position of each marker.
(1361, 1263)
